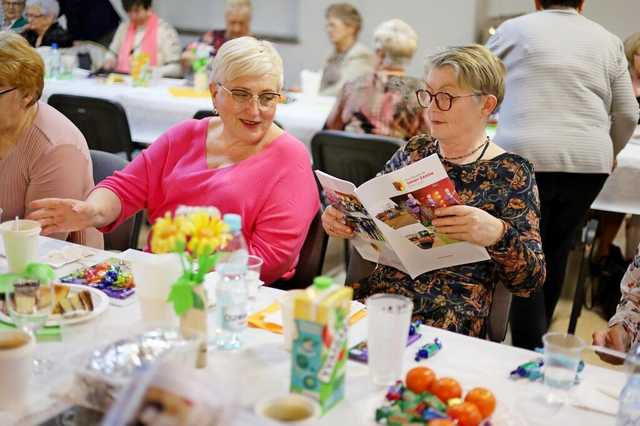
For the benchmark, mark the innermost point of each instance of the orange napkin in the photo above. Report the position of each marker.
(256, 320)
(188, 92)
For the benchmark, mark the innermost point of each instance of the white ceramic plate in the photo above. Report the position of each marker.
(100, 304)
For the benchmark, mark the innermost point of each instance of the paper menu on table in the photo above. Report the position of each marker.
(275, 317)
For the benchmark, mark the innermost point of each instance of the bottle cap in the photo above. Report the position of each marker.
(233, 220)
(54, 45)
(322, 282)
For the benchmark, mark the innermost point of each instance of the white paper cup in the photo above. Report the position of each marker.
(310, 82)
(154, 274)
(288, 326)
(20, 243)
(292, 409)
(16, 364)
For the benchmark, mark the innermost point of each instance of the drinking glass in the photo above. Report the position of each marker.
(389, 316)
(30, 304)
(252, 276)
(561, 359)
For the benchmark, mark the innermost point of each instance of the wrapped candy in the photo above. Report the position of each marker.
(428, 350)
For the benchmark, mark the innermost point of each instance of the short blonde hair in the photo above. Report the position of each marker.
(476, 68)
(346, 13)
(397, 40)
(232, 6)
(20, 65)
(247, 56)
(631, 47)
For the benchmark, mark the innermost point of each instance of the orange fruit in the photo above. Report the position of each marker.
(483, 399)
(466, 414)
(446, 388)
(419, 379)
(440, 422)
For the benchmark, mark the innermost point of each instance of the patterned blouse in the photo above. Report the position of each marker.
(628, 311)
(381, 104)
(458, 298)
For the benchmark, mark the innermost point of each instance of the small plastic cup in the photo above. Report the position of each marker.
(562, 354)
(20, 239)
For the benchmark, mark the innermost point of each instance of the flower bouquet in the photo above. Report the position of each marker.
(195, 234)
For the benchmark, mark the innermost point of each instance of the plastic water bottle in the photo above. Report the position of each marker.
(54, 61)
(232, 295)
(629, 409)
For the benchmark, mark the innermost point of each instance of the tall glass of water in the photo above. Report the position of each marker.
(389, 316)
(252, 277)
(561, 359)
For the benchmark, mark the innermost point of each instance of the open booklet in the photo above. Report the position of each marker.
(391, 215)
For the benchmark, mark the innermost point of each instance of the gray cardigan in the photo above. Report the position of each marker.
(342, 68)
(569, 104)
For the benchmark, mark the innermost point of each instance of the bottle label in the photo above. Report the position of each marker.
(234, 319)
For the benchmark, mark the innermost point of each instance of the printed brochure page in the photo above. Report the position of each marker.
(391, 215)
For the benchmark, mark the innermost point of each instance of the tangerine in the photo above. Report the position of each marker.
(419, 379)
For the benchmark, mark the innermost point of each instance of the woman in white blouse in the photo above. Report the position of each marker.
(144, 32)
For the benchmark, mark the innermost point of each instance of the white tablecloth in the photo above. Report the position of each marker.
(261, 368)
(153, 110)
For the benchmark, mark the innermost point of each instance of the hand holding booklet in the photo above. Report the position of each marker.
(392, 214)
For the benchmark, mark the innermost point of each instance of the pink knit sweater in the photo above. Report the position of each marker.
(274, 191)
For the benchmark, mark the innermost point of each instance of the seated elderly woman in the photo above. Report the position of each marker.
(237, 19)
(13, 16)
(501, 206)
(239, 162)
(42, 154)
(43, 28)
(144, 32)
(624, 326)
(384, 102)
(350, 59)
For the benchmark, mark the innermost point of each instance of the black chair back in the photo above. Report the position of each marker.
(311, 257)
(126, 235)
(204, 113)
(352, 156)
(103, 123)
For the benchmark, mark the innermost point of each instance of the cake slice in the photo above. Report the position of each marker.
(87, 301)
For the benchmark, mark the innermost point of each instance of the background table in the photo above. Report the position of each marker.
(261, 368)
(153, 110)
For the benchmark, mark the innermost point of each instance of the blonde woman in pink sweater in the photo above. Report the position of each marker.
(42, 154)
(239, 162)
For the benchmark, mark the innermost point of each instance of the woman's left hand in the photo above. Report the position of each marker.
(470, 224)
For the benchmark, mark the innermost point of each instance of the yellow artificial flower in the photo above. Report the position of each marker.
(208, 234)
(169, 234)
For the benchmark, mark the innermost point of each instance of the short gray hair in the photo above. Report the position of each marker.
(397, 40)
(49, 7)
(238, 6)
(247, 56)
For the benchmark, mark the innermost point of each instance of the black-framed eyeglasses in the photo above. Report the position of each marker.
(242, 97)
(8, 91)
(444, 100)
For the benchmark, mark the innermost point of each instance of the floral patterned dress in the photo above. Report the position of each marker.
(628, 311)
(458, 298)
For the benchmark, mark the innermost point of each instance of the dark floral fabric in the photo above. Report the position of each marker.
(380, 104)
(459, 298)
(628, 312)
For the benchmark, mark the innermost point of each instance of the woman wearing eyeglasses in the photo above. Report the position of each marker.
(501, 207)
(239, 162)
(13, 19)
(43, 28)
(42, 154)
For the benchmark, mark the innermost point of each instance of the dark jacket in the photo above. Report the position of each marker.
(55, 34)
(89, 20)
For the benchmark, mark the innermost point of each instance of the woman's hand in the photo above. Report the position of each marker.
(470, 224)
(62, 215)
(613, 337)
(334, 223)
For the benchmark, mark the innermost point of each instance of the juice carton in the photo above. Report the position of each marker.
(319, 351)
